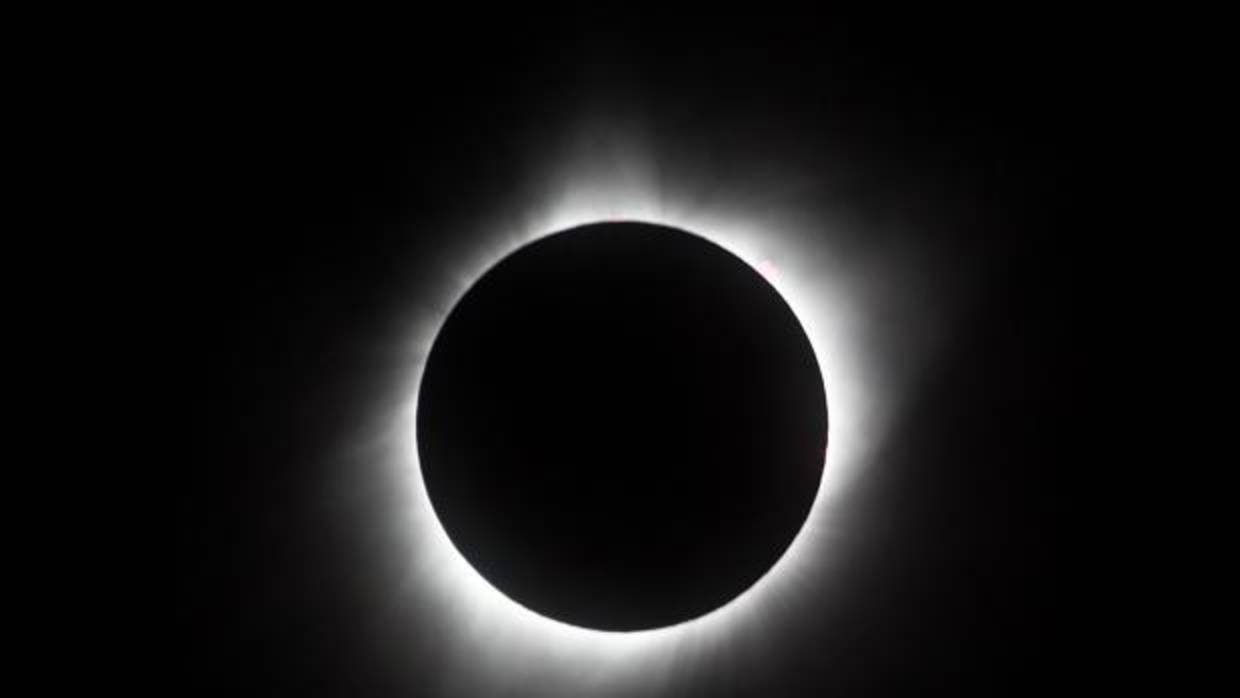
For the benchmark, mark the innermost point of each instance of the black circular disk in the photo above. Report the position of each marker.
(622, 426)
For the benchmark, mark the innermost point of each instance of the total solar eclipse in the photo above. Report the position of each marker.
(621, 426)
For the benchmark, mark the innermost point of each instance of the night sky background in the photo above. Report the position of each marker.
(323, 179)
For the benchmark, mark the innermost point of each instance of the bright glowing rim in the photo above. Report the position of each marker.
(490, 638)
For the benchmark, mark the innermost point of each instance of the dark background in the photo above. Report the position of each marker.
(306, 169)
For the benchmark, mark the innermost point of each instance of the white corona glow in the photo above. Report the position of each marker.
(492, 640)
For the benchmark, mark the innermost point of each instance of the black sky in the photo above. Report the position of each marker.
(313, 171)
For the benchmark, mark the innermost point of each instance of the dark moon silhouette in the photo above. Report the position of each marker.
(622, 426)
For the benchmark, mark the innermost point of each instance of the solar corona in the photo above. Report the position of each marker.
(489, 625)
